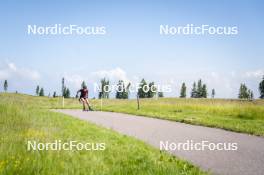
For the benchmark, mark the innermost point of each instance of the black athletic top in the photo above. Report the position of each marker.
(84, 93)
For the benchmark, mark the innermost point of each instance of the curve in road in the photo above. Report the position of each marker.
(248, 159)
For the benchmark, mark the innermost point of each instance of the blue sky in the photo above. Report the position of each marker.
(132, 48)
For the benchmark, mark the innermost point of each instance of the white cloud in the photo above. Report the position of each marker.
(75, 80)
(11, 71)
(12, 66)
(135, 79)
(113, 74)
(215, 75)
(254, 74)
(226, 84)
(233, 74)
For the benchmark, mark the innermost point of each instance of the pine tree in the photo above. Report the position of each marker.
(41, 92)
(160, 94)
(125, 93)
(183, 91)
(67, 93)
(199, 89)
(63, 87)
(146, 90)
(244, 92)
(261, 88)
(54, 94)
(152, 90)
(204, 91)
(213, 93)
(83, 84)
(5, 85)
(251, 95)
(194, 91)
(64, 92)
(104, 93)
(37, 90)
(142, 93)
(120, 89)
(123, 90)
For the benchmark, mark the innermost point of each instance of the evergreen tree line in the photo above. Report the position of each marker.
(146, 90)
(123, 90)
(5, 85)
(199, 90)
(104, 91)
(64, 90)
(40, 91)
(245, 93)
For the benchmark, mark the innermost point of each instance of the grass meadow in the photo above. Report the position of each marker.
(234, 115)
(229, 114)
(24, 118)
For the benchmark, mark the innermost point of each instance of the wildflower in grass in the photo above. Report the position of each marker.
(33, 133)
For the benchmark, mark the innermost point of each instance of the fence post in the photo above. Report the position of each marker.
(137, 102)
(101, 103)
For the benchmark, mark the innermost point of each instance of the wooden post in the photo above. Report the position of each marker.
(101, 103)
(138, 102)
(62, 101)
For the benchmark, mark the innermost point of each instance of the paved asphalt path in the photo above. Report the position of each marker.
(248, 159)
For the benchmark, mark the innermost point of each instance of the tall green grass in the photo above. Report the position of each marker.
(234, 115)
(24, 118)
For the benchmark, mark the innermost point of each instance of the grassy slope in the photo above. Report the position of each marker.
(234, 115)
(25, 118)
